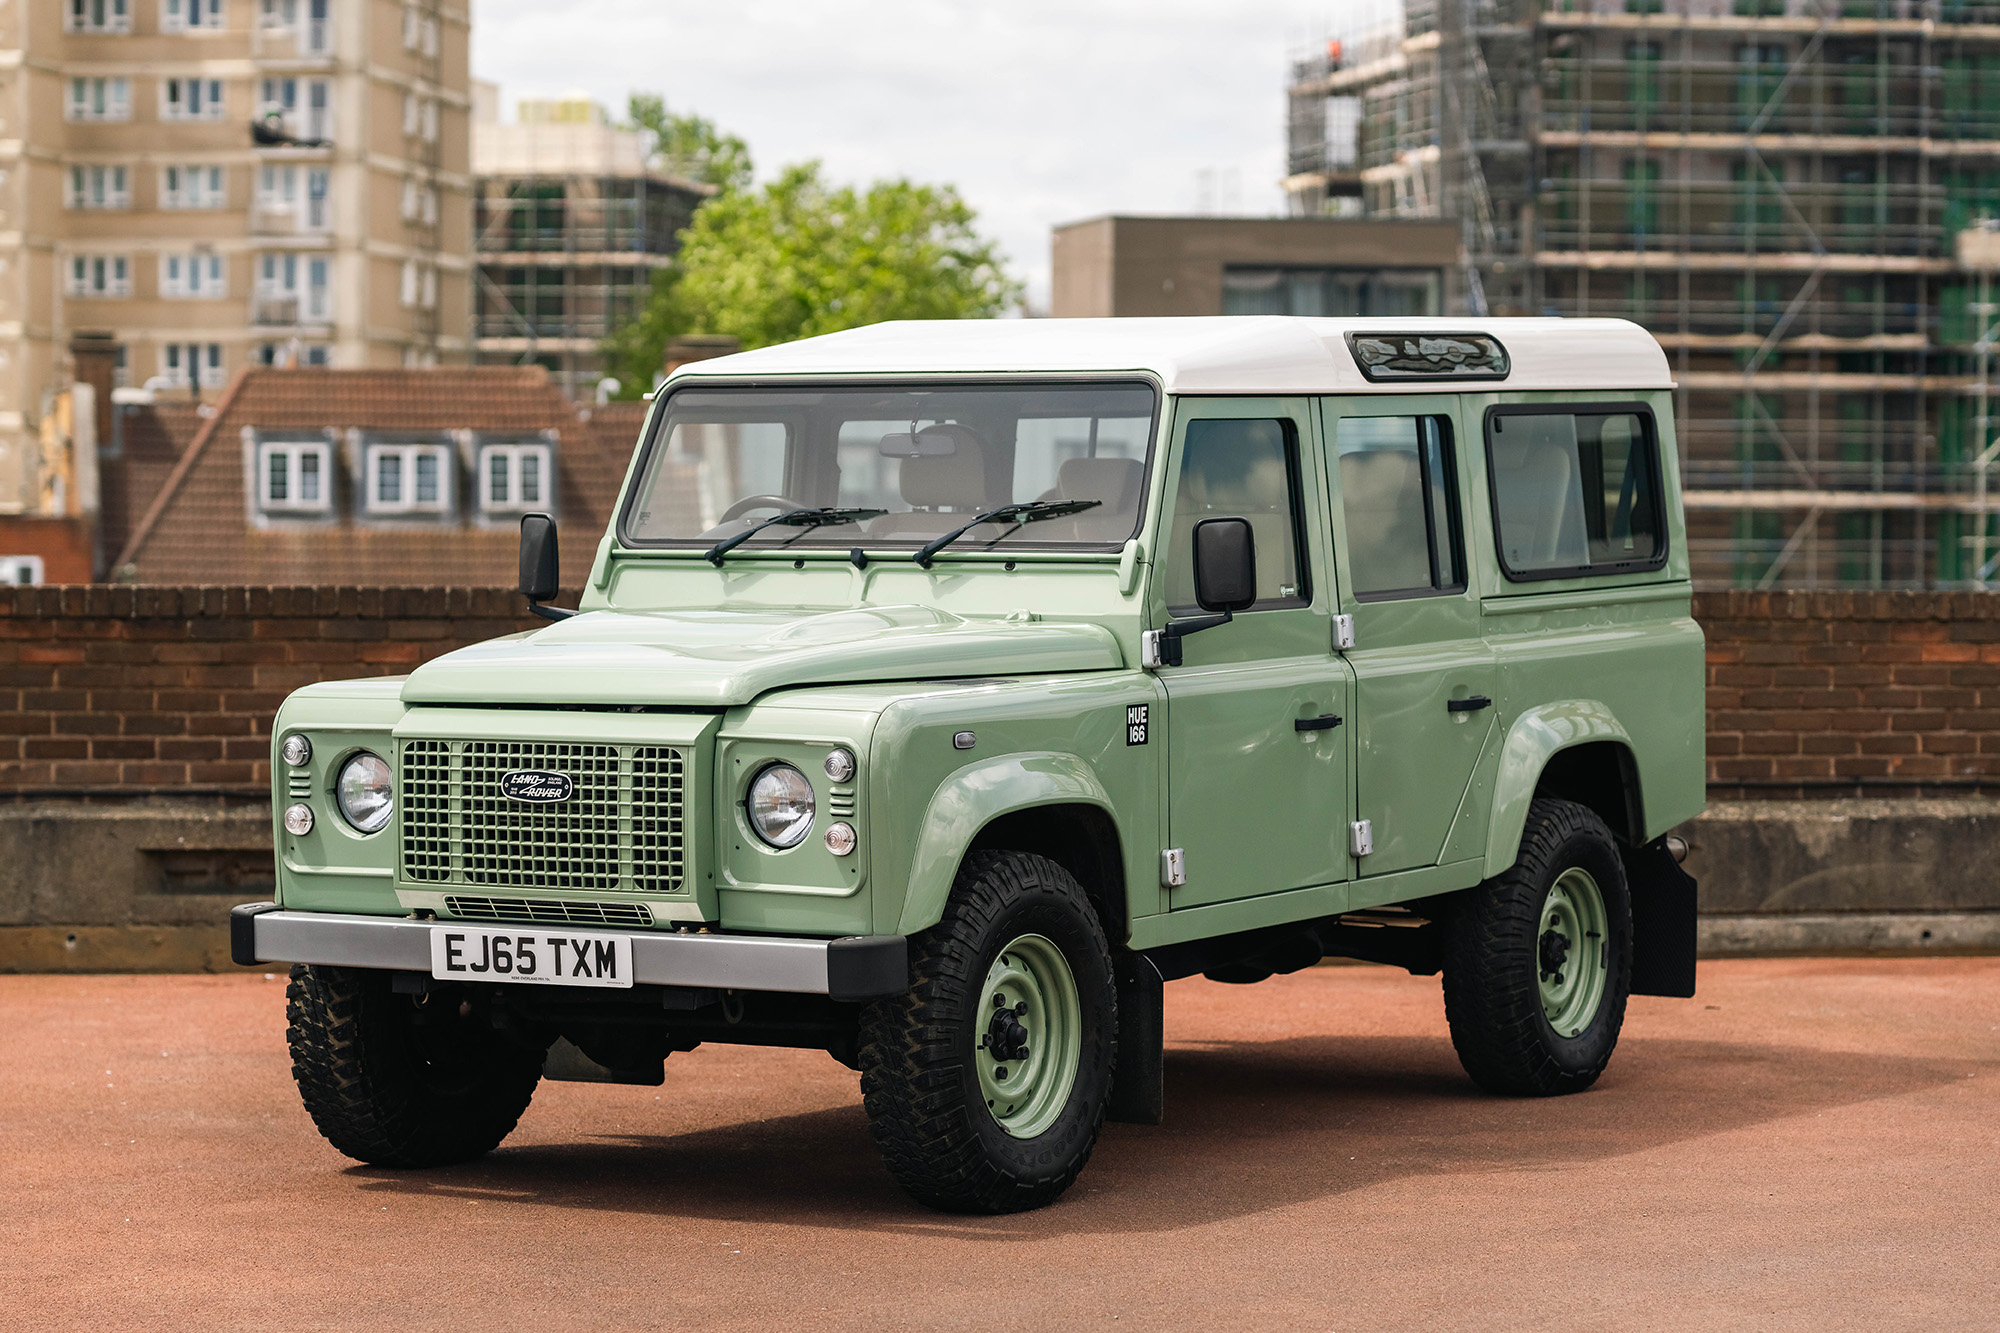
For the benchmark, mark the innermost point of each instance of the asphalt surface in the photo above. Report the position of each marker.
(1808, 1145)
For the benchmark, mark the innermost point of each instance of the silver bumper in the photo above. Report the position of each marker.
(857, 967)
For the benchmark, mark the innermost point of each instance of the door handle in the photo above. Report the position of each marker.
(1468, 705)
(1323, 723)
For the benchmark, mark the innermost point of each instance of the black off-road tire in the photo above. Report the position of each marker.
(921, 1088)
(387, 1090)
(1491, 968)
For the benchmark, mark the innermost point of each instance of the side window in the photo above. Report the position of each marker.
(1401, 506)
(1241, 469)
(1574, 492)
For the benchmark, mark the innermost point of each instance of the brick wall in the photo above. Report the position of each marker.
(116, 690)
(1830, 694)
(129, 690)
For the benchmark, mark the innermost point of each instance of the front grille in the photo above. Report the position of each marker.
(622, 830)
(548, 911)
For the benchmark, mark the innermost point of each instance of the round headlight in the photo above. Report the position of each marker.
(365, 792)
(298, 820)
(840, 765)
(297, 750)
(780, 806)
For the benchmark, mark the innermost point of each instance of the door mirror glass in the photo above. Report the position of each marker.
(539, 557)
(1225, 564)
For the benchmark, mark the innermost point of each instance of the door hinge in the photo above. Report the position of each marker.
(1343, 633)
(1149, 649)
(1363, 839)
(1173, 868)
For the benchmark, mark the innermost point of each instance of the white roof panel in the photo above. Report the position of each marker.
(1262, 354)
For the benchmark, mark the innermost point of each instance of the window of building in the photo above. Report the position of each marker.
(1574, 492)
(420, 117)
(192, 187)
(21, 570)
(513, 477)
(277, 13)
(420, 202)
(201, 362)
(100, 99)
(1338, 292)
(99, 276)
(1241, 469)
(196, 276)
(97, 16)
(301, 194)
(1401, 507)
(98, 187)
(419, 285)
(191, 99)
(294, 289)
(302, 108)
(294, 353)
(420, 32)
(294, 477)
(407, 478)
(190, 15)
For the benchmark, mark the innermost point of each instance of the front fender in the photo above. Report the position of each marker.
(1537, 734)
(973, 797)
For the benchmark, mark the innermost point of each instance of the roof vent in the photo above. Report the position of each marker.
(1391, 357)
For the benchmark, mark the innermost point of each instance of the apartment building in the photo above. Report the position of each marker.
(571, 222)
(209, 184)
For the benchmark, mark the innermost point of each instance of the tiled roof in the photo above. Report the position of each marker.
(199, 530)
(150, 438)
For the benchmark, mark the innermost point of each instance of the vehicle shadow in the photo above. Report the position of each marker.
(1251, 1126)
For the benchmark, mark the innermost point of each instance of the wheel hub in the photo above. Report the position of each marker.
(1006, 1036)
(1029, 1050)
(1554, 953)
(1572, 952)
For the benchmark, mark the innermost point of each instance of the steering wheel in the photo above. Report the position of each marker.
(750, 502)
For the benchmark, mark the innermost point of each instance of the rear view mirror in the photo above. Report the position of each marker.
(918, 444)
(1225, 564)
(540, 573)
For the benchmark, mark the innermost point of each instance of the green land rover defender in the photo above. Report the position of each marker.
(942, 689)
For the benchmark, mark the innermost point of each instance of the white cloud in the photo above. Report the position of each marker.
(1041, 112)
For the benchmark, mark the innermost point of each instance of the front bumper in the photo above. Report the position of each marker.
(857, 967)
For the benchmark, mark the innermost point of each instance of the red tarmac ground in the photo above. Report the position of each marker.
(1811, 1144)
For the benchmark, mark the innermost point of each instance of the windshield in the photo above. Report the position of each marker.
(929, 458)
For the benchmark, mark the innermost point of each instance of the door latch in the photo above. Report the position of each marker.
(1173, 868)
(1343, 633)
(1362, 838)
(1471, 704)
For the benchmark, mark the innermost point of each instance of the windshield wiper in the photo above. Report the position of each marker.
(796, 518)
(1034, 511)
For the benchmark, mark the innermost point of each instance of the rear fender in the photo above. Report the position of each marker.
(1537, 736)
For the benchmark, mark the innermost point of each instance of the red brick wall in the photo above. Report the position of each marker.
(1852, 693)
(131, 690)
(141, 690)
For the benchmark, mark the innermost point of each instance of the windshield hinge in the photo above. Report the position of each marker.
(1149, 649)
(1343, 633)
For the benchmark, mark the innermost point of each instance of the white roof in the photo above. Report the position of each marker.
(1264, 354)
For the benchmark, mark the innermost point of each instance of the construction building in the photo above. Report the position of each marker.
(572, 223)
(1789, 193)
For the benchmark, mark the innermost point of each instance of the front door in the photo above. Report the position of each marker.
(1425, 679)
(1257, 801)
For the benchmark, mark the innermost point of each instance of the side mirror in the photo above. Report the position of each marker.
(540, 565)
(1225, 564)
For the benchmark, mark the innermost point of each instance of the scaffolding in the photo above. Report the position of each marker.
(1777, 190)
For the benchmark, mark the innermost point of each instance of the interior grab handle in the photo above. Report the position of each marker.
(1323, 723)
(1471, 704)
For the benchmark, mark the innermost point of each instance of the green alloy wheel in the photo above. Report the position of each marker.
(1028, 1054)
(1538, 960)
(986, 1083)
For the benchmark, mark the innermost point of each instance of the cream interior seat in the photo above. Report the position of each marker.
(1382, 497)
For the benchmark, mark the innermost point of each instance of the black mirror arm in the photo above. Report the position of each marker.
(547, 612)
(1176, 630)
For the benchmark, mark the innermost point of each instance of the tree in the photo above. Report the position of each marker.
(689, 146)
(801, 257)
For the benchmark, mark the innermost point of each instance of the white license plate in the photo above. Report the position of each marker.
(551, 957)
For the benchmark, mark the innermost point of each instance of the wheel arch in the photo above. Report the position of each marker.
(1049, 803)
(1577, 750)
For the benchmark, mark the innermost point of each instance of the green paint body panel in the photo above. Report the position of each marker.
(781, 657)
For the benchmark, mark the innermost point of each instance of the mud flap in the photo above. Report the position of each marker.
(1138, 1082)
(1663, 922)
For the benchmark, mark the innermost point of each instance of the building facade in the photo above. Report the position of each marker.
(1782, 191)
(1251, 266)
(203, 185)
(572, 224)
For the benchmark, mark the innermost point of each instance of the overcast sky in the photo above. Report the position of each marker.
(1040, 111)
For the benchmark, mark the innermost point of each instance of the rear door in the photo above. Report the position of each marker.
(1425, 679)
(1257, 801)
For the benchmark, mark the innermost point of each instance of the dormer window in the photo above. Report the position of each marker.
(514, 477)
(293, 477)
(407, 478)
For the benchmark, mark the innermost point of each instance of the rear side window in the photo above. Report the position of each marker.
(1401, 508)
(1575, 492)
